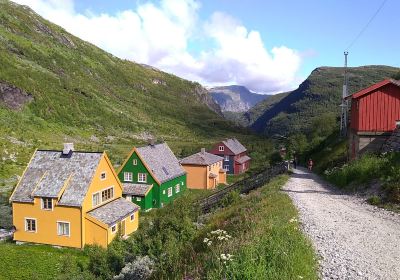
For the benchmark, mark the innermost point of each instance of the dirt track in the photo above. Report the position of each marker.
(353, 239)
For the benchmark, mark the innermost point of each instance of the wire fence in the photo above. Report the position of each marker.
(243, 186)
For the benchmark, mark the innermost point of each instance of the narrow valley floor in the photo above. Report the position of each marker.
(353, 239)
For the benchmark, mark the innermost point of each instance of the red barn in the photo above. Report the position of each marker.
(375, 112)
(235, 156)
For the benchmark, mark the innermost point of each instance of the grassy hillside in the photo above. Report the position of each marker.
(55, 87)
(315, 103)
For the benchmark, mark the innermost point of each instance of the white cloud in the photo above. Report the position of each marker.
(160, 34)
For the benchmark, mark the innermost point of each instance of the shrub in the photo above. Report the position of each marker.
(374, 200)
(140, 269)
(98, 261)
(230, 198)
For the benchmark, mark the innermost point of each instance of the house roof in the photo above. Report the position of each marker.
(201, 159)
(114, 211)
(234, 145)
(243, 159)
(50, 172)
(162, 162)
(212, 175)
(373, 88)
(136, 189)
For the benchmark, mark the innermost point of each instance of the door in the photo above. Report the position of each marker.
(122, 227)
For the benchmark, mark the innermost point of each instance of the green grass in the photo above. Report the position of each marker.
(35, 261)
(266, 241)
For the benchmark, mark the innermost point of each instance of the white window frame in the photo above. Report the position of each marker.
(226, 167)
(101, 194)
(169, 191)
(128, 175)
(134, 161)
(177, 188)
(101, 176)
(141, 180)
(26, 224)
(132, 219)
(182, 183)
(69, 228)
(99, 200)
(42, 202)
(226, 158)
(138, 198)
(115, 228)
(221, 148)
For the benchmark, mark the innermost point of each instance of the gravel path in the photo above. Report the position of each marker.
(353, 239)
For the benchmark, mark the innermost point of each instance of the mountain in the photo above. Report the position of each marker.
(235, 98)
(55, 87)
(315, 103)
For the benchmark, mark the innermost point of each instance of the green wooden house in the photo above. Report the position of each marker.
(152, 176)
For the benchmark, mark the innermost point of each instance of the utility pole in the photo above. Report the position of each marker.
(344, 105)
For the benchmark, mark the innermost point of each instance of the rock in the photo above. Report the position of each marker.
(13, 97)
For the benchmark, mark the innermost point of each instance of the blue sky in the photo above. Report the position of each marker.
(309, 33)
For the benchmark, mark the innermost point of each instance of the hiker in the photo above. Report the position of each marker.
(295, 162)
(310, 164)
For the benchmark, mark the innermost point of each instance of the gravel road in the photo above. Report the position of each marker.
(353, 239)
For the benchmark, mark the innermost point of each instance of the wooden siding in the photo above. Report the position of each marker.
(377, 111)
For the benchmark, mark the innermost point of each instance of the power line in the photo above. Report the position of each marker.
(368, 23)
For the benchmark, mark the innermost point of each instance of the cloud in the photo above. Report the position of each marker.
(160, 35)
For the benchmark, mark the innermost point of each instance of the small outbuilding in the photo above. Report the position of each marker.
(204, 170)
(375, 112)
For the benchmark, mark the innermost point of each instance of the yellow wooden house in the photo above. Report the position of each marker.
(70, 198)
(204, 170)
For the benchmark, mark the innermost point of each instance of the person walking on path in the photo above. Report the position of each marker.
(310, 164)
(295, 162)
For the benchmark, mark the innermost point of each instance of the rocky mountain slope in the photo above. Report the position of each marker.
(55, 87)
(235, 98)
(315, 103)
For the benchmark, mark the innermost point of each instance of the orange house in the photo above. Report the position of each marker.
(70, 198)
(204, 170)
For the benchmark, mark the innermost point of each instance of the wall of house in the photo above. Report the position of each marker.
(46, 224)
(376, 111)
(361, 144)
(96, 234)
(164, 199)
(196, 176)
(214, 169)
(131, 226)
(227, 151)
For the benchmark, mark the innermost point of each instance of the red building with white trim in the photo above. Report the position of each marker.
(375, 112)
(236, 159)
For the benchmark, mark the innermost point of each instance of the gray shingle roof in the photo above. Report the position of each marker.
(114, 211)
(243, 159)
(49, 171)
(235, 146)
(136, 189)
(162, 161)
(201, 159)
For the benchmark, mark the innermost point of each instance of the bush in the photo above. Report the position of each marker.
(140, 269)
(98, 261)
(230, 198)
(374, 200)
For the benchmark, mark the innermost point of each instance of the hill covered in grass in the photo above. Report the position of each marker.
(314, 105)
(55, 87)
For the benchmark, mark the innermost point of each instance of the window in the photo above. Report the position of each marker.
(226, 158)
(134, 162)
(182, 183)
(128, 176)
(103, 176)
(138, 199)
(63, 228)
(142, 177)
(47, 203)
(132, 217)
(226, 167)
(209, 168)
(30, 224)
(169, 191)
(221, 148)
(95, 199)
(114, 228)
(107, 194)
(177, 188)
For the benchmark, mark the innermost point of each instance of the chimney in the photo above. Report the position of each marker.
(203, 151)
(68, 148)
